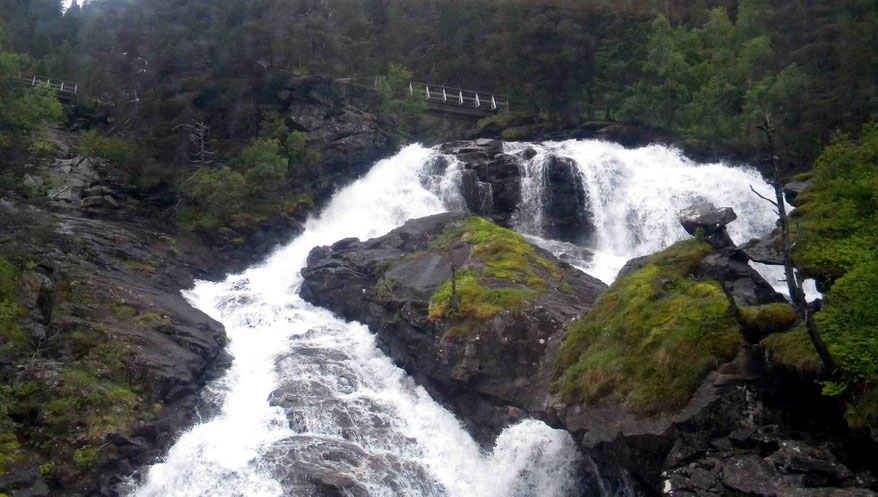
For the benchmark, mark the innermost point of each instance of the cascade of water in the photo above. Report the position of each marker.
(354, 418)
(310, 399)
(635, 195)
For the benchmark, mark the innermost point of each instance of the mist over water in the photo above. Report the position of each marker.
(352, 418)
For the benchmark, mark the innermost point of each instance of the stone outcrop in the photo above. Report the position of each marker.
(491, 187)
(101, 309)
(491, 369)
(751, 427)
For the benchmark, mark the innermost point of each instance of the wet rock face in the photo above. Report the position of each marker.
(491, 372)
(101, 299)
(491, 188)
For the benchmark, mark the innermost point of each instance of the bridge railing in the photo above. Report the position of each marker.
(55, 84)
(489, 102)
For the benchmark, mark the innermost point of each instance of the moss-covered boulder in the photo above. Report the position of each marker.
(663, 377)
(472, 310)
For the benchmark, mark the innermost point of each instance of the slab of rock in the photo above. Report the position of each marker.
(707, 217)
(794, 188)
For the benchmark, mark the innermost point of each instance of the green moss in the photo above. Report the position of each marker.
(12, 339)
(385, 288)
(141, 267)
(9, 451)
(499, 122)
(476, 301)
(123, 311)
(652, 338)
(765, 319)
(794, 351)
(513, 273)
(85, 457)
(803, 176)
(89, 405)
(151, 320)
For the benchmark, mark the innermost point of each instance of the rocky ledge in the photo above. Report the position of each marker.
(471, 310)
(105, 365)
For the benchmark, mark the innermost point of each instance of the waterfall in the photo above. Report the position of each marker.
(635, 195)
(310, 403)
(359, 420)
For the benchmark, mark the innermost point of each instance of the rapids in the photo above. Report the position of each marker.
(359, 421)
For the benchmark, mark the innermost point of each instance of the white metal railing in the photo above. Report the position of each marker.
(59, 86)
(458, 96)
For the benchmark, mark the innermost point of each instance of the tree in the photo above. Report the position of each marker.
(402, 110)
(794, 284)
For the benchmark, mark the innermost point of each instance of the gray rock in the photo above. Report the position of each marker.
(707, 217)
(32, 180)
(91, 202)
(794, 188)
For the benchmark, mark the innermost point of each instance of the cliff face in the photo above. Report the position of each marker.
(104, 365)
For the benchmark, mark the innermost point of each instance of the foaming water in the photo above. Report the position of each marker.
(355, 420)
(310, 403)
(634, 196)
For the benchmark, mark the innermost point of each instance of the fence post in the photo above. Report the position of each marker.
(444, 96)
(62, 87)
(428, 92)
(478, 104)
(493, 103)
(411, 90)
(34, 82)
(460, 100)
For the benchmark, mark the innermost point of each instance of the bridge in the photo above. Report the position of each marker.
(65, 88)
(457, 103)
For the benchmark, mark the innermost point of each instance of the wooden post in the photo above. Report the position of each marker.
(62, 87)
(34, 82)
(411, 90)
(493, 103)
(478, 104)
(428, 91)
(444, 96)
(460, 101)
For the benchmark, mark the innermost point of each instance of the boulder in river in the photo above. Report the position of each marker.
(473, 311)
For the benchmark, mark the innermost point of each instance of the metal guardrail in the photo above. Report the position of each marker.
(488, 102)
(57, 85)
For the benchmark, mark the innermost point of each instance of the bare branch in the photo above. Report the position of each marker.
(772, 202)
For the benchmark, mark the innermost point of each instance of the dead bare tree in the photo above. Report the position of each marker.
(794, 283)
(200, 142)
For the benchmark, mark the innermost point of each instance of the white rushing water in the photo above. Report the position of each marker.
(355, 420)
(359, 415)
(634, 197)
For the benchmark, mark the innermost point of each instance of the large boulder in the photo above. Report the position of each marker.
(487, 350)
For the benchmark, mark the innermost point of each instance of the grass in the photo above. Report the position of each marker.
(12, 339)
(477, 301)
(652, 338)
(509, 272)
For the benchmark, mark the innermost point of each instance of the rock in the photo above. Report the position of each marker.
(752, 475)
(567, 206)
(490, 372)
(89, 202)
(707, 217)
(798, 457)
(765, 250)
(794, 188)
(32, 180)
(740, 281)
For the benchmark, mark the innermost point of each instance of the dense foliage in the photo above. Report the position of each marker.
(837, 224)
(23, 111)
